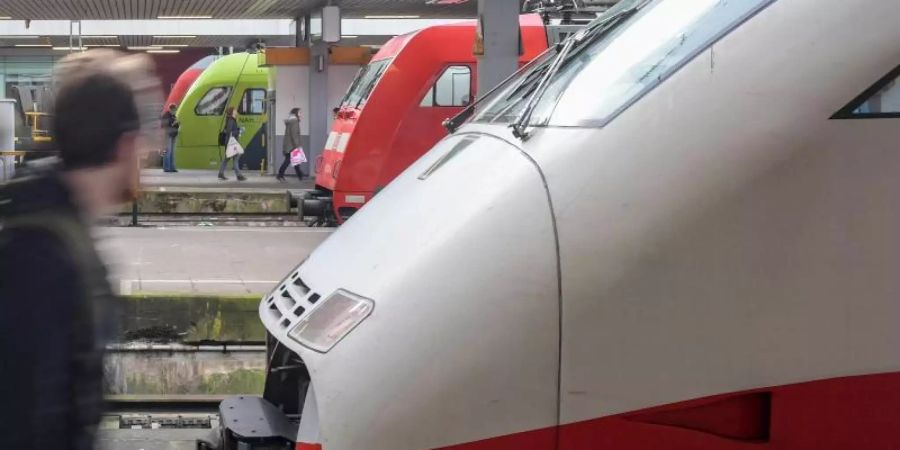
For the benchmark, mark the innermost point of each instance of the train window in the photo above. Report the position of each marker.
(452, 88)
(882, 100)
(213, 103)
(253, 102)
(365, 83)
(621, 56)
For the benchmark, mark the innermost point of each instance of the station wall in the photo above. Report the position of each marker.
(291, 86)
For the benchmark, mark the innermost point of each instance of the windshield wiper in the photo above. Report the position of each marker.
(454, 122)
(586, 35)
(518, 127)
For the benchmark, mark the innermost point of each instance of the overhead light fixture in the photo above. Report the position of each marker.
(34, 45)
(174, 37)
(175, 45)
(146, 47)
(5, 18)
(68, 49)
(349, 36)
(98, 37)
(163, 51)
(102, 45)
(19, 37)
(184, 17)
(391, 17)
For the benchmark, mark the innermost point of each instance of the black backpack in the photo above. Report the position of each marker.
(223, 138)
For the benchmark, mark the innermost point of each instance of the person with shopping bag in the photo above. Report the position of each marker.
(293, 152)
(233, 149)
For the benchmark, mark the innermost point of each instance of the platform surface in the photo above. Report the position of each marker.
(149, 439)
(205, 260)
(197, 178)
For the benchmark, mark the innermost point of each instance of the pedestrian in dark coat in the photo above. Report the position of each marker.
(232, 130)
(170, 125)
(291, 142)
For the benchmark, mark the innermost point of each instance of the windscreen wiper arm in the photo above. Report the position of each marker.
(454, 122)
(519, 127)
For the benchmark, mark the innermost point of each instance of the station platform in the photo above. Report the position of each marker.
(162, 439)
(201, 192)
(204, 260)
(196, 178)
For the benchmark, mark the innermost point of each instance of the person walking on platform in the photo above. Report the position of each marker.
(170, 124)
(291, 142)
(233, 149)
(55, 300)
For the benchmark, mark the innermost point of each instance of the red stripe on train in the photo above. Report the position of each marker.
(861, 412)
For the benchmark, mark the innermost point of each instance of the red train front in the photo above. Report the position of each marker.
(393, 111)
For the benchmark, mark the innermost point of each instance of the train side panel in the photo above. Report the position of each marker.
(233, 80)
(728, 250)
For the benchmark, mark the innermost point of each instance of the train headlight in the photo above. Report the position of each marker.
(331, 320)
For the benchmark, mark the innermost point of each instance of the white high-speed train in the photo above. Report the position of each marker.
(678, 230)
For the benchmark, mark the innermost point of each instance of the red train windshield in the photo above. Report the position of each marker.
(364, 84)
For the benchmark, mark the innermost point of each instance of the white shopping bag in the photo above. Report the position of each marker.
(297, 156)
(233, 148)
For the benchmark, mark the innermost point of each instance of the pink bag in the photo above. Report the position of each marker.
(297, 156)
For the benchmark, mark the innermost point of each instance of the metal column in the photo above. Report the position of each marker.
(7, 138)
(317, 116)
(499, 21)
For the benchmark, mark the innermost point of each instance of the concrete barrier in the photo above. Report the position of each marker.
(185, 200)
(186, 345)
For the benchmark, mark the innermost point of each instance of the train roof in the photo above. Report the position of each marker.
(223, 70)
(395, 45)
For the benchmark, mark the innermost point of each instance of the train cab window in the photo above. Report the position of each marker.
(452, 88)
(213, 103)
(882, 100)
(620, 57)
(365, 83)
(253, 103)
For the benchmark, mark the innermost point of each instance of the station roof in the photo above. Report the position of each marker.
(208, 23)
(226, 9)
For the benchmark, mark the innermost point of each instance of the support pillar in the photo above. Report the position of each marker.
(500, 28)
(319, 111)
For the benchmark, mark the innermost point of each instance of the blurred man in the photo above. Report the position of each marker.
(53, 286)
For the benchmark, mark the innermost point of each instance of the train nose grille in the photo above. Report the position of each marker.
(290, 301)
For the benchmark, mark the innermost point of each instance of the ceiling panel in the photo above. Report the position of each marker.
(220, 9)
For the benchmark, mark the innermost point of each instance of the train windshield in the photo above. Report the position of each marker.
(364, 83)
(599, 72)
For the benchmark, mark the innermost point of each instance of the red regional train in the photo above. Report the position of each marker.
(393, 111)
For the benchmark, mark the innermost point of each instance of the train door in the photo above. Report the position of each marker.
(251, 106)
(452, 89)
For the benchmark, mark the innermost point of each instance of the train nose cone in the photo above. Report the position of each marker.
(459, 257)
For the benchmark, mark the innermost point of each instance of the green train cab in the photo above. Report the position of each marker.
(234, 80)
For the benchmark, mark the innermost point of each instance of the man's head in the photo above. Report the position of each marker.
(102, 120)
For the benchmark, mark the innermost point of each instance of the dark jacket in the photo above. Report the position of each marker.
(53, 294)
(232, 128)
(170, 124)
(291, 134)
